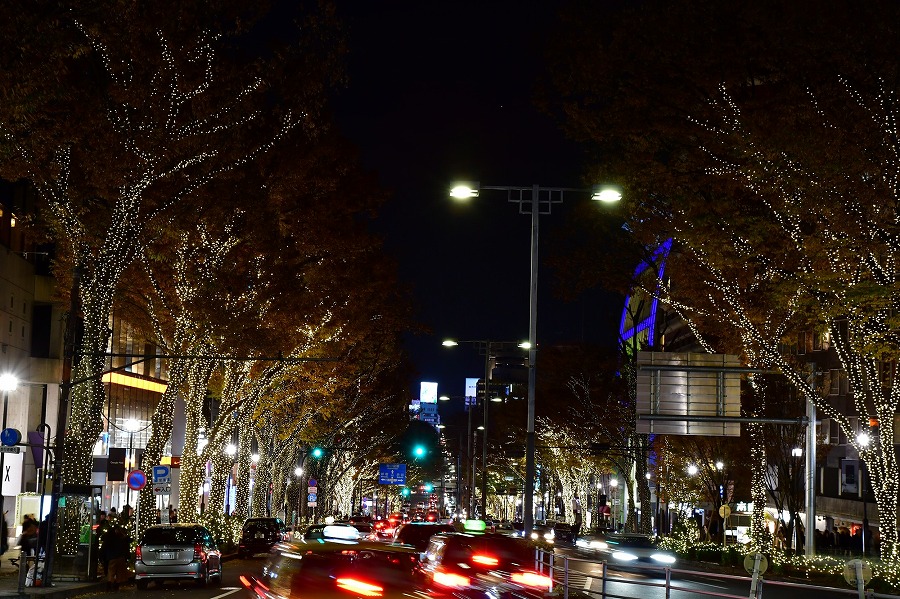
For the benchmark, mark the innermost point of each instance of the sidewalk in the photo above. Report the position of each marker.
(9, 583)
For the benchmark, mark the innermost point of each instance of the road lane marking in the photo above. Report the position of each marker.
(225, 594)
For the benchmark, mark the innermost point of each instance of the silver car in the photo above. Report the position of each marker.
(177, 551)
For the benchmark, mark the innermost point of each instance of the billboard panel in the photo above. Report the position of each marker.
(471, 391)
(428, 392)
(689, 385)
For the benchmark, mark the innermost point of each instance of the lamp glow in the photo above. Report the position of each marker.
(464, 190)
(605, 194)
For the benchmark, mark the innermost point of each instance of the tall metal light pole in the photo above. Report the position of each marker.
(8, 383)
(534, 206)
(486, 348)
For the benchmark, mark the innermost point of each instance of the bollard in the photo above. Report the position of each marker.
(25, 562)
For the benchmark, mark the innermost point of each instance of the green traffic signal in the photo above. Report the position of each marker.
(318, 452)
(429, 487)
(404, 492)
(419, 451)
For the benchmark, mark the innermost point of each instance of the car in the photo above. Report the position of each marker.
(482, 564)
(417, 534)
(336, 531)
(543, 531)
(259, 535)
(563, 533)
(629, 550)
(365, 529)
(432, 516)
(337, 569)
(384, 530)
(177, 551)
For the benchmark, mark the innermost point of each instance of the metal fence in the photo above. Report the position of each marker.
(581, 583)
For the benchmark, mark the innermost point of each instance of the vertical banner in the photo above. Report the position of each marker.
(12, 474)
(115, 466)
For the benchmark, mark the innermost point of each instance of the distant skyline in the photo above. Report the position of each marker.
(429, 105)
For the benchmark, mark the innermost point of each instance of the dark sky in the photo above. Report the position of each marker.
(443, 91)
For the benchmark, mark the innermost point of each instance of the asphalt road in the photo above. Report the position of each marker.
(230, 586)
(583, 575)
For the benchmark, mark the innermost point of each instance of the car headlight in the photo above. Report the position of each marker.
(624, 556)
(534, 535)
(598, 545)
(663, 558)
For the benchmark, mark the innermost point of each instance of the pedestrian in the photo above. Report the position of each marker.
(175, 516)
(158, 516)
(4, 540)
(29, 539)
(115, 552)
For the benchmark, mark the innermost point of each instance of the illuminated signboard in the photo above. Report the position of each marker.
(428, 392)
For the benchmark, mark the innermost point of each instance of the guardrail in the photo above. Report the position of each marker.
(558, 568)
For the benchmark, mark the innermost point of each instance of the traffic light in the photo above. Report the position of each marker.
(405, 491)
(317, 452)
(419, 451)
(429, 487)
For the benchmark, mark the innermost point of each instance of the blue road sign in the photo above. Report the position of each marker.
(10, 436)
(392, 474)
(311, 497)
(312, 482)
(161, 474)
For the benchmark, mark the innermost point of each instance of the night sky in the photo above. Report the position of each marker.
(441, 92)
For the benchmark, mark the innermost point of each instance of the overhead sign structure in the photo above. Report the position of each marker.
(392, 474)
(694, 386)
(137, 480)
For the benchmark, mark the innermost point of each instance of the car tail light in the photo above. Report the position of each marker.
(451, 580)
(138, 553)
(485, 560)
(360, 587)
(253, 585)
(198, 551)
(532, 579)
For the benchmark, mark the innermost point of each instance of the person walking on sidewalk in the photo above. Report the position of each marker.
(115, 552)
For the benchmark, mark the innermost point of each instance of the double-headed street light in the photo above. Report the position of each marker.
(535, 206)
(485, 347)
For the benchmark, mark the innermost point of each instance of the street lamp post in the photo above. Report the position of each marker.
(863, 439)
(230, 451)
(535, 207)
(485, 347)
(614, 486)
(132, 426)
(8, 383)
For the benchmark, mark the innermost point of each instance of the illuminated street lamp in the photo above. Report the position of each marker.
(533, 206)
(863, 439)
(692, 470)
(132, 426)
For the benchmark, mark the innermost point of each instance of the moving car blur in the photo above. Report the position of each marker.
(623, 549)
(477, 564)
(334, 568)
